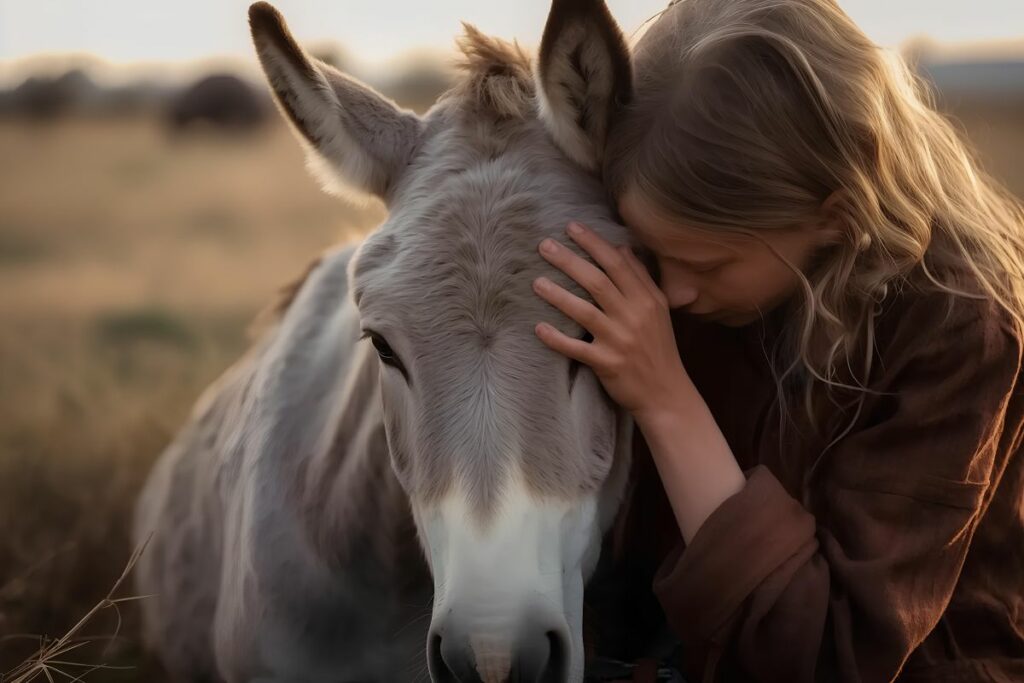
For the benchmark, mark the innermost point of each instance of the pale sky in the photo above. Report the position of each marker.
(124, 31)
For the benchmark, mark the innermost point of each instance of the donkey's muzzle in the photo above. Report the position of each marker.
(539, 655)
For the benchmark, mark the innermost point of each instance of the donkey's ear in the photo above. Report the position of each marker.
(583, 75)
(358, 137)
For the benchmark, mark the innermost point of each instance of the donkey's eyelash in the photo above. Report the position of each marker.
(368, 333)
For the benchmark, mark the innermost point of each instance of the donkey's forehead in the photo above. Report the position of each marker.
(467, 221)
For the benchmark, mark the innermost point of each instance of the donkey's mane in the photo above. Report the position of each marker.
(282, 300)
(496, 75)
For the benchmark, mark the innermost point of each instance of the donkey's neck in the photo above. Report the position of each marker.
(352, 499)
(325, 436)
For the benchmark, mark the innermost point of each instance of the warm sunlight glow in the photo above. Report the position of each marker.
(148, 30)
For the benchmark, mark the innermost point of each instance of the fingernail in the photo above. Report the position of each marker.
(548, 246)
(541, 283)
(575, 229)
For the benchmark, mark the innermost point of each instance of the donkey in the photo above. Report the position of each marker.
(398, 477)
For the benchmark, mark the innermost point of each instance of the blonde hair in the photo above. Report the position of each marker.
(749, 114)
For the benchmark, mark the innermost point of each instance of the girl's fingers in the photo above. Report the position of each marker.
(609, 257)
(589, 276)
(576, 349)
(583, 312)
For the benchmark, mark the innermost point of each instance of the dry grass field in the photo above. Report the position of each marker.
(131, 264)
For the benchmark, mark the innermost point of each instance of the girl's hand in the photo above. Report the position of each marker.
(634, 351)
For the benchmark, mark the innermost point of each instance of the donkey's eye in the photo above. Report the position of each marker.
(574, 365)
(384, 351)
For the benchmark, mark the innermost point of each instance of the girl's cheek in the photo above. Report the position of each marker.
(742, 293)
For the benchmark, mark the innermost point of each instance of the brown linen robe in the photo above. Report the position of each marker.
(901, 558)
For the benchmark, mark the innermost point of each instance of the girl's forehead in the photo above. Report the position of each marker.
(667, 235)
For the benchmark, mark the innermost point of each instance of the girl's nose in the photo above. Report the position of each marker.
(679, 297)
(678, 287)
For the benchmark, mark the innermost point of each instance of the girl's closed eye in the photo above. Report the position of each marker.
(707, 269)
(702, 268)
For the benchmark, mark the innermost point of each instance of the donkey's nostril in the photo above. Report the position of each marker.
(439, 671)
(542, 657)
(450, 660)
(557, 669)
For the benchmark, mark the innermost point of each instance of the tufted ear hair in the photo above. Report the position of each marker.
(583, 75)
(358, 139)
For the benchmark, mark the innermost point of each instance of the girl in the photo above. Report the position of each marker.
(824, 370)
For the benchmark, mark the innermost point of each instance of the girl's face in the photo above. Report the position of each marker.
(729, 279)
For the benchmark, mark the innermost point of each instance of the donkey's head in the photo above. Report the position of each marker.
(513, 458)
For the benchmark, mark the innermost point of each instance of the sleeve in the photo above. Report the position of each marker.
(849, 592)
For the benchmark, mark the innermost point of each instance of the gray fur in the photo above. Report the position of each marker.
(283, 543)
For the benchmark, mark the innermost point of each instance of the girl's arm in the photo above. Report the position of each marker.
(634, 354)
(695, 464)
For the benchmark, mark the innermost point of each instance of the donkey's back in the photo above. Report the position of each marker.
(184, 516)
(180, 517)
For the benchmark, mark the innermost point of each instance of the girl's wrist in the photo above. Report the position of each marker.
(669, 412)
